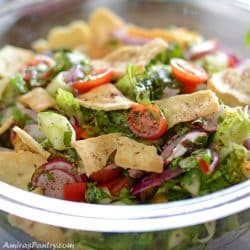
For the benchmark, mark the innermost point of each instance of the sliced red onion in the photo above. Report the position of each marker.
(204, 48)
(168, 92)
(135, 174)
(34, 131)
(156, 180)
(215, 162)
(209, 124)
(28, 112)
(74, 74)
(53, 181)
(247, 143)
(122, 36)
(243, 65)
(178, 146)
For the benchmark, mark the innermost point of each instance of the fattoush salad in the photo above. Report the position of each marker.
(111, 113)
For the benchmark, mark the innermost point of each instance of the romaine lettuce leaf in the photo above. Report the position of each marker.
(66, 102)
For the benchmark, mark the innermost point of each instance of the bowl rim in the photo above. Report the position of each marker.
(122, 218)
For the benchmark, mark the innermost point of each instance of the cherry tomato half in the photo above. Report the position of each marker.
(116, 185)
(97, 78)
(147, 121)
(188, 73)
(40, 67)
(106, 174)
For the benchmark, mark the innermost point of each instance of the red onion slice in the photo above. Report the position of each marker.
(34, 131)
(215, 162)
(28, 112)
(156, 180)
(204, 48)
(177, 146)
(135, 174)
(122, 36)
(75, 73)
(247, 143)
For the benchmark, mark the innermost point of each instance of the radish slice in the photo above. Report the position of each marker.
(247, 143)
(53, 181)
(178, 146)
(57, 163)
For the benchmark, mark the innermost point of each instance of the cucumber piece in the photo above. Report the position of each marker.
(58, 83)
(57, 129)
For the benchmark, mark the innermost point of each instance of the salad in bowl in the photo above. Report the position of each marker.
(111, 113)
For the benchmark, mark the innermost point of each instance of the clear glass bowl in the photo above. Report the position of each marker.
(164, 226)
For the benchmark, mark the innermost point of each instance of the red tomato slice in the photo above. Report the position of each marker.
(147, 121)
(97, 78)
(80, 133)
(204, 166)
(106, 174)
(188, 73)
(75, 191)
(204, 48)
(233, 60)
(117, 185)
(36, 62)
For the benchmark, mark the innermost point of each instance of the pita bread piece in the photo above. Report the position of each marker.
(30, 142)
(16, 168)
(232, 87)
(188, 107)
(140, 56)
(12, 59)
(38, 100)
(6, 125)
(95, 152)
(134, 155)
(105, 97)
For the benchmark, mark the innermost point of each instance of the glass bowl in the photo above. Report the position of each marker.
(175, 225)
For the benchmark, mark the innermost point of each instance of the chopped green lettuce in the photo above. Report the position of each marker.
(173, 51)
(234, 129)
(66, 59)
(231, 164)
(97, 195)
(146, 86)
(66, 103)
(19, 84)
(247, 38)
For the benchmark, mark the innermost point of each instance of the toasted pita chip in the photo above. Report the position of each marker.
(3, 84)
(102, 22)
(38, 231)
(95, 152)
(16, 168)
(188, 107)
(32, 144)
(12, 59)
(70, 36)
(38, 100)
(6, 125)
(181, 36)
(140, 56)
(134, 155)
(105, 97)
(40, 45)
(232, 87)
